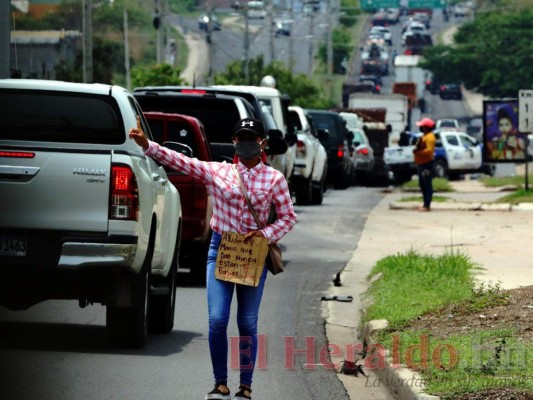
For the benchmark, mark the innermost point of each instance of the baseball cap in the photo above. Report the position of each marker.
(427, 122)
(251, 125)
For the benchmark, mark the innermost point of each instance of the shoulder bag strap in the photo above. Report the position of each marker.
(245, 193)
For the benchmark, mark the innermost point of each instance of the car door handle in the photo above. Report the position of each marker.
(156, 176)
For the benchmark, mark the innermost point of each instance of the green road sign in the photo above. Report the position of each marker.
(426, 3)
(375, 4)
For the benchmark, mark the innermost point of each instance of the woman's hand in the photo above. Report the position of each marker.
(252, 234)
(137, 134)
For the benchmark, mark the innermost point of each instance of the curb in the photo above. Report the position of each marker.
(400, 381)
(463, 206)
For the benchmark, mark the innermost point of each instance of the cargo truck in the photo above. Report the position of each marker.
(396, 106)
(406, 70)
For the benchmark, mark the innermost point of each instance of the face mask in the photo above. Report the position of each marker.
(247, 149)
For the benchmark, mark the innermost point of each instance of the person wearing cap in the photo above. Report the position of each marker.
(265, 186)
(424, 153)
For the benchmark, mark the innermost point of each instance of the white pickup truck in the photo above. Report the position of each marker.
(85, 214)
(311, 164)
(456, 153)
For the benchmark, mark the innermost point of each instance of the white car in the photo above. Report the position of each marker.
(448, 124)
(384, 31)
(311, 163)
(85, 214)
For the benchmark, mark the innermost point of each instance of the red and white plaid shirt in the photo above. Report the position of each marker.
(265, 186)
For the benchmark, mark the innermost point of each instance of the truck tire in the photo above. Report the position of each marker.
(198, 265)
(128, 326)
(317, 195)
(440, 169)
(162, 306)
(341, 181)
(303, 192)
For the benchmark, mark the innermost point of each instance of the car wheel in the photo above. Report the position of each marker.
(198, 262)
(162, 306)
(341, 181)
(440, 169)
(317, 195)
(304, 192)
(128, 326)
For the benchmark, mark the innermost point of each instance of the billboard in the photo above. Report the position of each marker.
(502, 142)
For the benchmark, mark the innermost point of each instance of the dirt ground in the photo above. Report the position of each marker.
(518, 313)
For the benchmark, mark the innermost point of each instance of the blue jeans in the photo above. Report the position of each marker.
(425, 181)
(219, 296)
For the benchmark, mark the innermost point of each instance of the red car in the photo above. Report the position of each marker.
(195, 201)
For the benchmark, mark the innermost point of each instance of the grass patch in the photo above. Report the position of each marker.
(498, 181)
(469, 362)
(413, 284)
(520, 196)
(437, 199)
(421, 296)
(439, 185)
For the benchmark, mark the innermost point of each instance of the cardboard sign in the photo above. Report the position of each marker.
(241, 262)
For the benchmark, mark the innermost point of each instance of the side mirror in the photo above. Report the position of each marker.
(323, 134)
(291, 138)
(276, 143)
(179, 147)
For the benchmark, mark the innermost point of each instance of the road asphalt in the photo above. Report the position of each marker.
(495, 237)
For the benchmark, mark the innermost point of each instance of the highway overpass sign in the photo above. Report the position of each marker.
(376, 4)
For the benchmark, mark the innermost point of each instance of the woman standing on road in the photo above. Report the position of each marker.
(265, 186)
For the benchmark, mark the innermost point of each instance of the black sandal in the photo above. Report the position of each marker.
(241, 395)
(217, 394)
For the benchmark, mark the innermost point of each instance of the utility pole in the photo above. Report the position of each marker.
(291, 41)
(330, 40)
(209, 40)
(5, 39)
(127, 51)
(271, 30)
(87, 41)
(246, 46)
(311, 43)
(158, 32)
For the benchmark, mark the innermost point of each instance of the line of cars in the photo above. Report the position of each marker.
(88, 217)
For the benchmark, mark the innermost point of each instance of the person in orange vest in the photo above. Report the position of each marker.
(424, 153)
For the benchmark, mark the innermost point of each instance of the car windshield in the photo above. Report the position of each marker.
(447, 124)
(46, 116)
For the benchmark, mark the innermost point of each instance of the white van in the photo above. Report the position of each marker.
(256, 9)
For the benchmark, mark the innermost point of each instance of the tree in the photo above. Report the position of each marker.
(492, 55)
(342, 50)
(156, 75)
(299, 87)
(106, 58)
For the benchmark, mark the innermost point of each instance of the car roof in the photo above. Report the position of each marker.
(41, 84)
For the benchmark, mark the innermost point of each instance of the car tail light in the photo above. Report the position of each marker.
(443, 87)
(363, 151)
(16, 154)
(300, 148)
(340, 151)
(124, 199)
(378, 88)
(193, 91)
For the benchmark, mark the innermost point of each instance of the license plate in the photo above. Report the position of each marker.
(13, 246)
